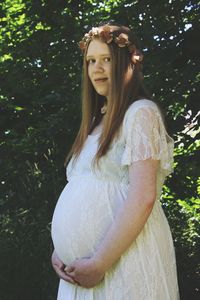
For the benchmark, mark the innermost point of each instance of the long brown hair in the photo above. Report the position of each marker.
(122, 95)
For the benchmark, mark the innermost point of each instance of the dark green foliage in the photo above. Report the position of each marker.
(40, 75)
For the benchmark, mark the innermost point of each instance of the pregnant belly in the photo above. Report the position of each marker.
(82, 216)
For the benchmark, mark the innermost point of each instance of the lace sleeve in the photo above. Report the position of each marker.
(145, 137)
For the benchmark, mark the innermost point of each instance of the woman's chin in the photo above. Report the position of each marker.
(102, 92)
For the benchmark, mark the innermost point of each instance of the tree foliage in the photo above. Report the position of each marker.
(40, 90)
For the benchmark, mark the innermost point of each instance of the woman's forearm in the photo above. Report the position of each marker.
(130, 218)
(128, 223)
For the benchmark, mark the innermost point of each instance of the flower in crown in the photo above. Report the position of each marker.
(105, 34)
(136, 56)
(94, 31)
(82, 45)
(122, 40)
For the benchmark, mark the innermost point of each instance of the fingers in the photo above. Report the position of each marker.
(59, 266)
(61, 274)
(56, 261)
(67, 278)
(71, 274)
(69, 269)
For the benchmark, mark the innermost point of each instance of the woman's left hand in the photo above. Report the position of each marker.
(85, 272)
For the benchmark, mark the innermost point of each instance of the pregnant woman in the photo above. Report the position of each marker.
(112, 240)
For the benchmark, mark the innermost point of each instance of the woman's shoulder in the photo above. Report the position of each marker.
(139, 105)
(142, 103)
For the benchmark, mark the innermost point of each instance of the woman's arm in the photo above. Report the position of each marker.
(132, 215)
(129, 221)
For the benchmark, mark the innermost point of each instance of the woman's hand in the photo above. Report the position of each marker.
(85, 272)
(59, 267)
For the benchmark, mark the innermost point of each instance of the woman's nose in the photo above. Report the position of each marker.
(98, 66)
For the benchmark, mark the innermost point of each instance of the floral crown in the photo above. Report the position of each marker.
(105, 34)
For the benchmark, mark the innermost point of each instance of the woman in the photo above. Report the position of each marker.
(111, 237)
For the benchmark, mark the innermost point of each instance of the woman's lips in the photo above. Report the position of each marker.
(100, 80)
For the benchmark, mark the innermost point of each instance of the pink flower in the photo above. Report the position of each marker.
(122, 40)
(136, 57)
(105, 34)
(82, 45)
(94, 31)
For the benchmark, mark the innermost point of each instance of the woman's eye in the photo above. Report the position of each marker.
(91, 61)
(107, 59)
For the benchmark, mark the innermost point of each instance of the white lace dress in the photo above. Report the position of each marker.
(88, 204)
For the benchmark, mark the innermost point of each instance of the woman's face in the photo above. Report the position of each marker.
(99, 66)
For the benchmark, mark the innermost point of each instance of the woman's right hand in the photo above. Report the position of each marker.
(59, 267)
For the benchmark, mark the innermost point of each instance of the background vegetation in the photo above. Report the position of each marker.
(40, 77)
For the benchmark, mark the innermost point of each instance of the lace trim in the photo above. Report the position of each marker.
(146, 137)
